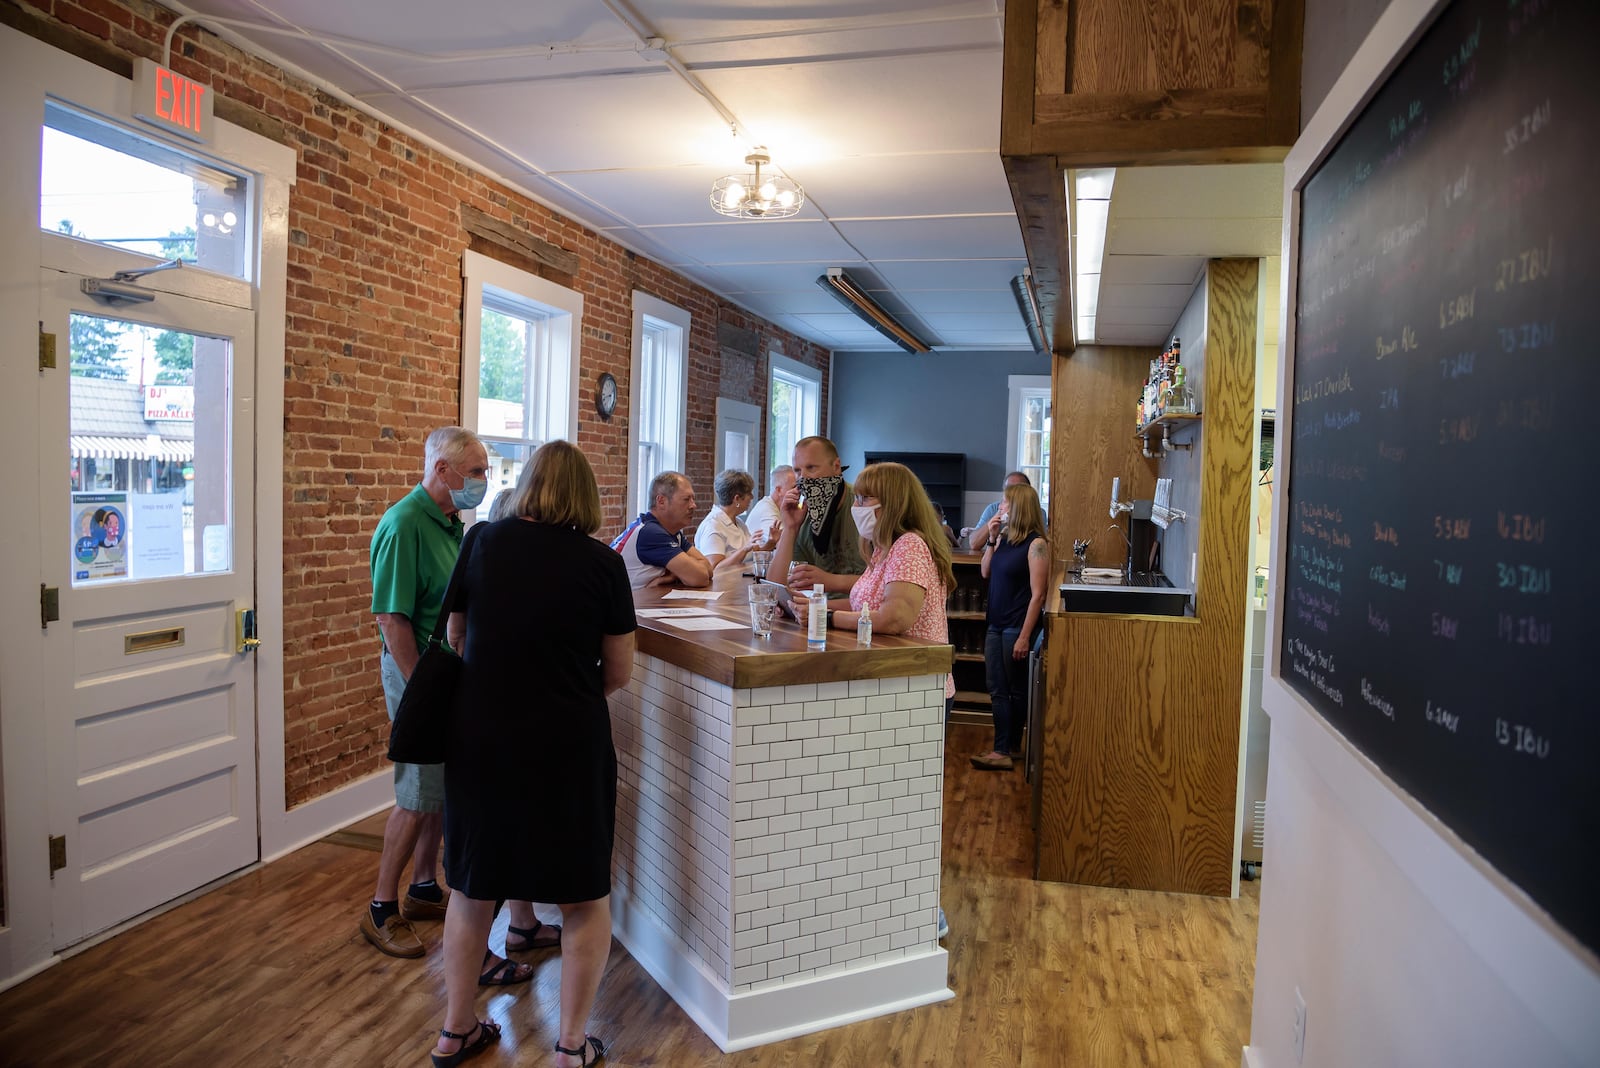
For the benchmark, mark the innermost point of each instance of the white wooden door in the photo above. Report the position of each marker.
(739, 438)
(148, 529)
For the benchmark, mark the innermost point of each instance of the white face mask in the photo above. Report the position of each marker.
(866, 517)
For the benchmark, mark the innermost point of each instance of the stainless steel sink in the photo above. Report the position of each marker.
(1145, 594)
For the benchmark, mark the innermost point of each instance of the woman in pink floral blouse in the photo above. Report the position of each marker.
(908, 571)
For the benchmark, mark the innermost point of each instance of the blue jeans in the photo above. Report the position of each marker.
(1008, 687)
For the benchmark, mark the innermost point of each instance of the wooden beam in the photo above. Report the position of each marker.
(495, 233)
(1039, 195)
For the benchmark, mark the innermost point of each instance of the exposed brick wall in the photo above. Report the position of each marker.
(373, 353)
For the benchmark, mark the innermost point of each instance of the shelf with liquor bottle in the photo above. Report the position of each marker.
(966, 612)
(1168, 403)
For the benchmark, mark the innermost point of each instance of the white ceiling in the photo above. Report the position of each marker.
(621, 114)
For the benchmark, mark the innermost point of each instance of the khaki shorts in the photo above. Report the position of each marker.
(417, 787)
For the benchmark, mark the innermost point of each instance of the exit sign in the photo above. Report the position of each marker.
(165, 98)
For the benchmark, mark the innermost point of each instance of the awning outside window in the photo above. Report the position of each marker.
(101, 447)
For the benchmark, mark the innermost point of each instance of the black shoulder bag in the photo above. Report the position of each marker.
(420, 733)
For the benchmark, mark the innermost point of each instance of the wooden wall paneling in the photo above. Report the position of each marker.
(1092, 441)
(1142, 719)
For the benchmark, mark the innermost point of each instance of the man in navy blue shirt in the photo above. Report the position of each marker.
(654, 546)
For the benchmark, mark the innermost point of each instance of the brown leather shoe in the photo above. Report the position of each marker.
(991, 762)
(397, 938)
(416, 908)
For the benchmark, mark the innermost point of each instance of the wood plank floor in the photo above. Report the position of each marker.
(270, 970)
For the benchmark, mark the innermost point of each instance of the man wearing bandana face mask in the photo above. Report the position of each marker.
(413, 553)
(817, 531)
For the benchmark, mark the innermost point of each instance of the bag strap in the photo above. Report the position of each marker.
(453, 588)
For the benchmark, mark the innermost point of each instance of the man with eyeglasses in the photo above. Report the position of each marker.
(816, 532)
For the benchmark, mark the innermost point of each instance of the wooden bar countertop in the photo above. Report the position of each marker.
(739, 659)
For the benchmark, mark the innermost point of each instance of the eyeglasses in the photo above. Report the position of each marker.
(865, 498)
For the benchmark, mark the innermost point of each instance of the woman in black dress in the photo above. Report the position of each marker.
(546, 613)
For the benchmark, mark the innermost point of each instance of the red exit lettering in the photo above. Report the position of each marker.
(178, 100)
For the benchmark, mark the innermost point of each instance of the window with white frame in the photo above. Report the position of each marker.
(519, 363)
(659, 385)
(1028, 437)
(794, 405)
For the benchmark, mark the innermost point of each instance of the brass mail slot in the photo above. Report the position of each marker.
(151, 640)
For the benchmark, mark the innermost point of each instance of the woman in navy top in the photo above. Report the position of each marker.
(1016, 561)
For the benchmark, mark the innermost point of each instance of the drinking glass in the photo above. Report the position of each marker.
(763, 606)
(759, 561)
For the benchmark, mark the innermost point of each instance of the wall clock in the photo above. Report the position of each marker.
(605, 396)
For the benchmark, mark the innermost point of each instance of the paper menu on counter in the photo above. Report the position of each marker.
(705, 623)
(691, 595)
(670, 613)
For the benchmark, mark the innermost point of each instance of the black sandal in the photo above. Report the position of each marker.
(506, 973)
(582, 1052)
(530, 935)
(488, 1033)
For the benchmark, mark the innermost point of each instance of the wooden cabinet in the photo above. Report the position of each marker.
(965, 612)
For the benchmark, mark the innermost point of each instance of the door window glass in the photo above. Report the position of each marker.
(148, 461)
(102, 183)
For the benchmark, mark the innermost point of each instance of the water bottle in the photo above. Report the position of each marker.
(817, 618)
(864, 629)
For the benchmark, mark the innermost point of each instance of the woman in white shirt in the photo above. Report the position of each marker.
(722, 538)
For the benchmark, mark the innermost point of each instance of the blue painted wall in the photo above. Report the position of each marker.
(936, 402)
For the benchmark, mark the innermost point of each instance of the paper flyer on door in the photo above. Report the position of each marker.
(100, 532)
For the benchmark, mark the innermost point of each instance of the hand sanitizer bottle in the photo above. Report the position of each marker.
(817, 618)
(864, 628)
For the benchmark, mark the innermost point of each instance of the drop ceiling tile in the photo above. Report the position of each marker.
(660, 196)
(749, 33)
(995, 324)
(998, 302)
(938, 102)
(978, 237)
(950, 273)
(949, 183)
(754, 241)
(591, 124)
(776, 277)
(789, 302)
(981, 340)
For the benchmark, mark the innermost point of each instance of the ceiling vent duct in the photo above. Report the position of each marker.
(852, 296)
(1022, 289)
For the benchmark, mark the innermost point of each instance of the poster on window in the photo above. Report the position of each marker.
(159, 550)
(99, 536)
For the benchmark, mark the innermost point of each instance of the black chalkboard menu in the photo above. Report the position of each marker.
(1438, 604)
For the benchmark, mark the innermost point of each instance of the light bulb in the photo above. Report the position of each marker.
(732, 195)
(209, 219)
(768, 190)
(229, 218)
(786, 199)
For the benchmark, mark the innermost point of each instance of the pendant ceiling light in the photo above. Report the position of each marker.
(757, 195)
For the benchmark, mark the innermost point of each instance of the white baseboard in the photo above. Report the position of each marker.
(315, 819)
(9, 981)
(741, 1021)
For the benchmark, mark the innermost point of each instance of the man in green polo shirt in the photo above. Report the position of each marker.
(413, 553)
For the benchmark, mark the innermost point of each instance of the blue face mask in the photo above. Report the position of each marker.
(471, 493)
